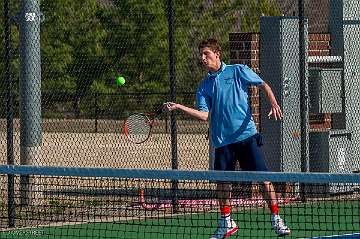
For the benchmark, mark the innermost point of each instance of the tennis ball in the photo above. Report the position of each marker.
(120, 80)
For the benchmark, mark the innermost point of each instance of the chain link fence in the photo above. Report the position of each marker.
(62, 58)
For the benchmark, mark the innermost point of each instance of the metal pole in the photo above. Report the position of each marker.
(304, 98)
(172, 83)
(174, 161)
(30, 90)
(9, 113)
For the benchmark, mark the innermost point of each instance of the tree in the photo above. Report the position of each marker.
(137, 41)
(197, 20)
(72, 47)
(85, 45)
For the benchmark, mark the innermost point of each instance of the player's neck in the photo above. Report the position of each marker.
(215, 68)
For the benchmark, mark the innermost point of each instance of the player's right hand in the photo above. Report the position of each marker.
(169, 106)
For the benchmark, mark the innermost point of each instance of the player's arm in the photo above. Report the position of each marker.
(275, 110)
(201, 115)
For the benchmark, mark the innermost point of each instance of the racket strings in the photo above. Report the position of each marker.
(137, 128)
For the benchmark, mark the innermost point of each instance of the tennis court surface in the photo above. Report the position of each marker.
(129, 203)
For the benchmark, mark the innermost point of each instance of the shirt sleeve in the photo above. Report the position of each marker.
(203, 101)
(249, 76)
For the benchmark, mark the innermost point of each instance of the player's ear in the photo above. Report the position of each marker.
(218, 54)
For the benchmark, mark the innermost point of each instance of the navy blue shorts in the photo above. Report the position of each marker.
(247, 152)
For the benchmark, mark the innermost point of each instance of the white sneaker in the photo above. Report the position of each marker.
(225, 229)
(279, 226)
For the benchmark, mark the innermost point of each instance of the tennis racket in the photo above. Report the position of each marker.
(137, 127)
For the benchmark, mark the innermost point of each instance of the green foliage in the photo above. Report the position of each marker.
(86, 44)
(198, 20)
(71, 44)
(206, 19)
(138, 43)
(15, 64)
(251, 21)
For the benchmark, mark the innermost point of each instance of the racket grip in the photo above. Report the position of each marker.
(160, 110)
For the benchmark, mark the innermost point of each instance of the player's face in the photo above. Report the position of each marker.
(210, 59)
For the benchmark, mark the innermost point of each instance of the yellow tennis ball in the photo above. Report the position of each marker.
(120, 80)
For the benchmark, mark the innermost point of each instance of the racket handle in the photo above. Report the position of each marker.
(160, 110)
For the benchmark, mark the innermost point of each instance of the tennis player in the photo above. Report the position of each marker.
(222, 98)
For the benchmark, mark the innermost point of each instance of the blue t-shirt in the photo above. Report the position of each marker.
(225, 95)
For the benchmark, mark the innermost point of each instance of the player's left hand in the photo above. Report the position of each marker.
(275, 112)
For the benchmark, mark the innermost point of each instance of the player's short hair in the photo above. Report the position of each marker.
(211, 43)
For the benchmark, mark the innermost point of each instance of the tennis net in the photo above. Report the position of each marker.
(57, 202)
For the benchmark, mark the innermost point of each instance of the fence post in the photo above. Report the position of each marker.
(303, 91)
(30, 92)
(9, 114)
(174, 161)
(304, 107)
